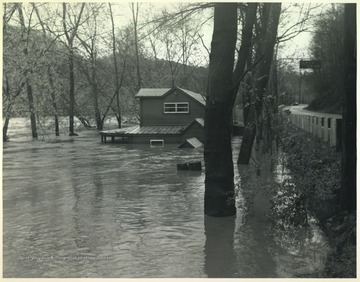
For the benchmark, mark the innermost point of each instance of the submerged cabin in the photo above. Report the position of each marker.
(167, 115)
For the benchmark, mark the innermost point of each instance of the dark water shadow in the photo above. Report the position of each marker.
(257, 225)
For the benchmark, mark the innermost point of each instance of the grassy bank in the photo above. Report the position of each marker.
(316, 172)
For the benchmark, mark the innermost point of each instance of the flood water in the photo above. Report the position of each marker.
(73, 207)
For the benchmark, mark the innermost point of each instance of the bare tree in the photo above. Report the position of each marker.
(70, 30)
(135, 21)
(49, 75)
(117, 80)
(89, 41)
(25, 33)
(9, 95)
(264, 53)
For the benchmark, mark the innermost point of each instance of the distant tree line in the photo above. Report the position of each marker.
(328, 46)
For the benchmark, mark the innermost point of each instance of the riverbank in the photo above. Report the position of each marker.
(316, 171)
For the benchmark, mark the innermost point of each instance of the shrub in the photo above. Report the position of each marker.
(315, 167)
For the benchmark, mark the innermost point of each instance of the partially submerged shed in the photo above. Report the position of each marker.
(167, 115)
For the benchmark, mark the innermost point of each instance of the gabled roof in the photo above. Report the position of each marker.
(198, 97)
(152, 92)
(161, 92)
(191, 143)
(200, 121)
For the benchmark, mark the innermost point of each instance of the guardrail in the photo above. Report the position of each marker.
(326, 128)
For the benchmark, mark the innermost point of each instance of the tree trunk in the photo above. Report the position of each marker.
(117, 84)
(5, 128)
(71, 92)
(9, 102)
(70, 35)
(56, 117)
(245, 49)
(7, 121)
(50, 77)
(248, 136)
(31, 109)
(219, 170)
(26, 74)
(265, 52)
(348, 187)
(99, 125)
(135, 14)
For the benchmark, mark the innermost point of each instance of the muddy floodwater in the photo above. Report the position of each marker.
(73, 207)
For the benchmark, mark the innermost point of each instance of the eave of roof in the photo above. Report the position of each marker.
(200, 121)
(161, 92)
(152, 92)
(145, 130)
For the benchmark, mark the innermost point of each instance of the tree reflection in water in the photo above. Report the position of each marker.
(219, 247)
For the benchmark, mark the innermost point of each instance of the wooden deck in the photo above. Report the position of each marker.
(125, 135)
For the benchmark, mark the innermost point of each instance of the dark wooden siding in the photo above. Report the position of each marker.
(153, 110)
(194, 131)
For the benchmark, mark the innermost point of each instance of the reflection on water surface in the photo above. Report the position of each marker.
(86, 209)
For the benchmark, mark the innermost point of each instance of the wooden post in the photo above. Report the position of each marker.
(333, 132)
(319, 128)
(326, 130)
(338, 135)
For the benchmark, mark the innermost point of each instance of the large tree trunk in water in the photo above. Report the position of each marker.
(348, 187)
(32, 110)
(266, 51)
(219, 169)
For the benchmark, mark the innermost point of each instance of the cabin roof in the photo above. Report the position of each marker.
(191, 143)
(161, 92)
(200, 121)
(139, 130)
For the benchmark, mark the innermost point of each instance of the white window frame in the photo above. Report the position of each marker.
(176, 106)
(156, 140)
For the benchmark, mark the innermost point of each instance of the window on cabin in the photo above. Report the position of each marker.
(156, 143)
(182, 107)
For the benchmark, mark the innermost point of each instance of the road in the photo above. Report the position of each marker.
(301, 110)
